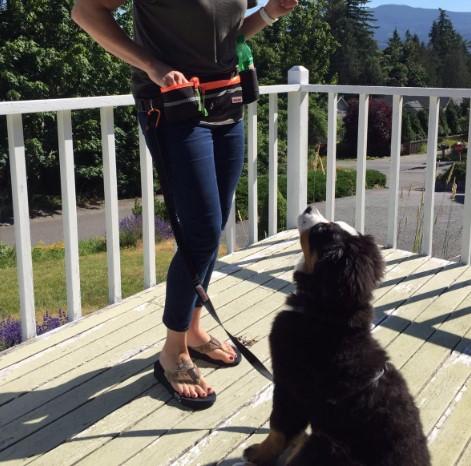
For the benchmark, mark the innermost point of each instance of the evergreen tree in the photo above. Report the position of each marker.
(451, 57)
(415, 57)
(452, 115)
(357, 58)
(301, 38)
(403, 61)
(395, 70)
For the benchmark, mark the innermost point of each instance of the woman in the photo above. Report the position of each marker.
(174, 41)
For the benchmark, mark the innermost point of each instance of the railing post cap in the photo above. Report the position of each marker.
(298, 75)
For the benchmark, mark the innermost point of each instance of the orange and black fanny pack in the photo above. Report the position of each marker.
(211, 101)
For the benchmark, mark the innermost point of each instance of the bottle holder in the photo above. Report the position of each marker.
(249, 83)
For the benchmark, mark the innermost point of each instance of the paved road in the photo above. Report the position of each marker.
(91, 222)
(412, 174)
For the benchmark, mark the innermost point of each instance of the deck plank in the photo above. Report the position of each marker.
(445, 385)
(47, 341)
(449, 439)
(32, 375)
(95, 401)
(119, 355)
(465, 459)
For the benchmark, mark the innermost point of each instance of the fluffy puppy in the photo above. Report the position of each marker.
(329, 371)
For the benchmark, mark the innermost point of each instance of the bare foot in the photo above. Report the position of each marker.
(170, 363)
(200, 337)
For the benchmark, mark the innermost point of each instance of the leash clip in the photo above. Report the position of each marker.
(150, 114)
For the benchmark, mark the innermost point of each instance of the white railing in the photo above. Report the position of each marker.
(297, 89)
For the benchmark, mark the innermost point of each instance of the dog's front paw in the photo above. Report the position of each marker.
(259, 455)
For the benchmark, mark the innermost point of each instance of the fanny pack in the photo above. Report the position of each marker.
(211, 101)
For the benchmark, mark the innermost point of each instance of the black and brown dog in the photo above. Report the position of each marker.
(329, 371)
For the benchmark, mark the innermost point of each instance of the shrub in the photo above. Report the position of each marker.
(281, 214)
(92, 246)
(379, 128)
(159, 208)
(7, 255)
(345, 186)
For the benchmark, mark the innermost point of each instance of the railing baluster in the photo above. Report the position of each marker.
(111, 204)
(273, 165)
(364, 101)
(252, 172)
(298, 120)
(331, 157)
(69, 214)
(148, 214)
(24, 261)
(430, 176)
(395, 170)
(466, 246)
(231, 229)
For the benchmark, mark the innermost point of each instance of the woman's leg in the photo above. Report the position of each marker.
(188, 153)
(228, 143)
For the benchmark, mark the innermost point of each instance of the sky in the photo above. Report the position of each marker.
(449, 5)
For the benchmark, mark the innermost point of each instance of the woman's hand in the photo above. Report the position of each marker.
(278, 8)
(164, 76)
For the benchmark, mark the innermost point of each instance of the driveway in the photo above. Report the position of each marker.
(412, 167)
(448, 213)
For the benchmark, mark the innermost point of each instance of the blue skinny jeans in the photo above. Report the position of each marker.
(204, 165)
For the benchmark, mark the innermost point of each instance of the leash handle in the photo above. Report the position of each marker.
(198, 287)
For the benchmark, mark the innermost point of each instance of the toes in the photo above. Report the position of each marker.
(193, 393)
(231, 350)
(200, 392)
(206, 388)
(179, 388)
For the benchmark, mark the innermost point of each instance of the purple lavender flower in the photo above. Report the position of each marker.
(10, 329)
(163, 230)
(10, 333)
(51, 322)
(131, 229)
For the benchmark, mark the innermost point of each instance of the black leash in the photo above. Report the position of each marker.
(178, 234)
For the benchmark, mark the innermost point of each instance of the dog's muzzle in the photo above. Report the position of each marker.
(311, 217)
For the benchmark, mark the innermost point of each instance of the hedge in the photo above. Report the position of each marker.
(345, 186)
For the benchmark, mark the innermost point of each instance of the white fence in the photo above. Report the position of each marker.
(297, 89)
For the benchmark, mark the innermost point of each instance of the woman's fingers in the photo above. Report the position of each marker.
(165, 76)
(174, 77)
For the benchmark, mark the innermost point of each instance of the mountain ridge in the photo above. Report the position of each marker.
(417, 20)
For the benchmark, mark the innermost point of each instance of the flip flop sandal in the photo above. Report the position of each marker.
(187, 373)
(201, 352)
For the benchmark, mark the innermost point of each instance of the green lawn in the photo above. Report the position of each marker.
(50, 285)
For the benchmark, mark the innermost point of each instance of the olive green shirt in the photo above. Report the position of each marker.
(195, 37)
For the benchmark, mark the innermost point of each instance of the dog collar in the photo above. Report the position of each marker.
(373, 381)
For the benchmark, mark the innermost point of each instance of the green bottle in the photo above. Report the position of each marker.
(244, 55)
(247, 71)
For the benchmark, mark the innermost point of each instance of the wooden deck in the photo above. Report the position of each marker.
(85, 393)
